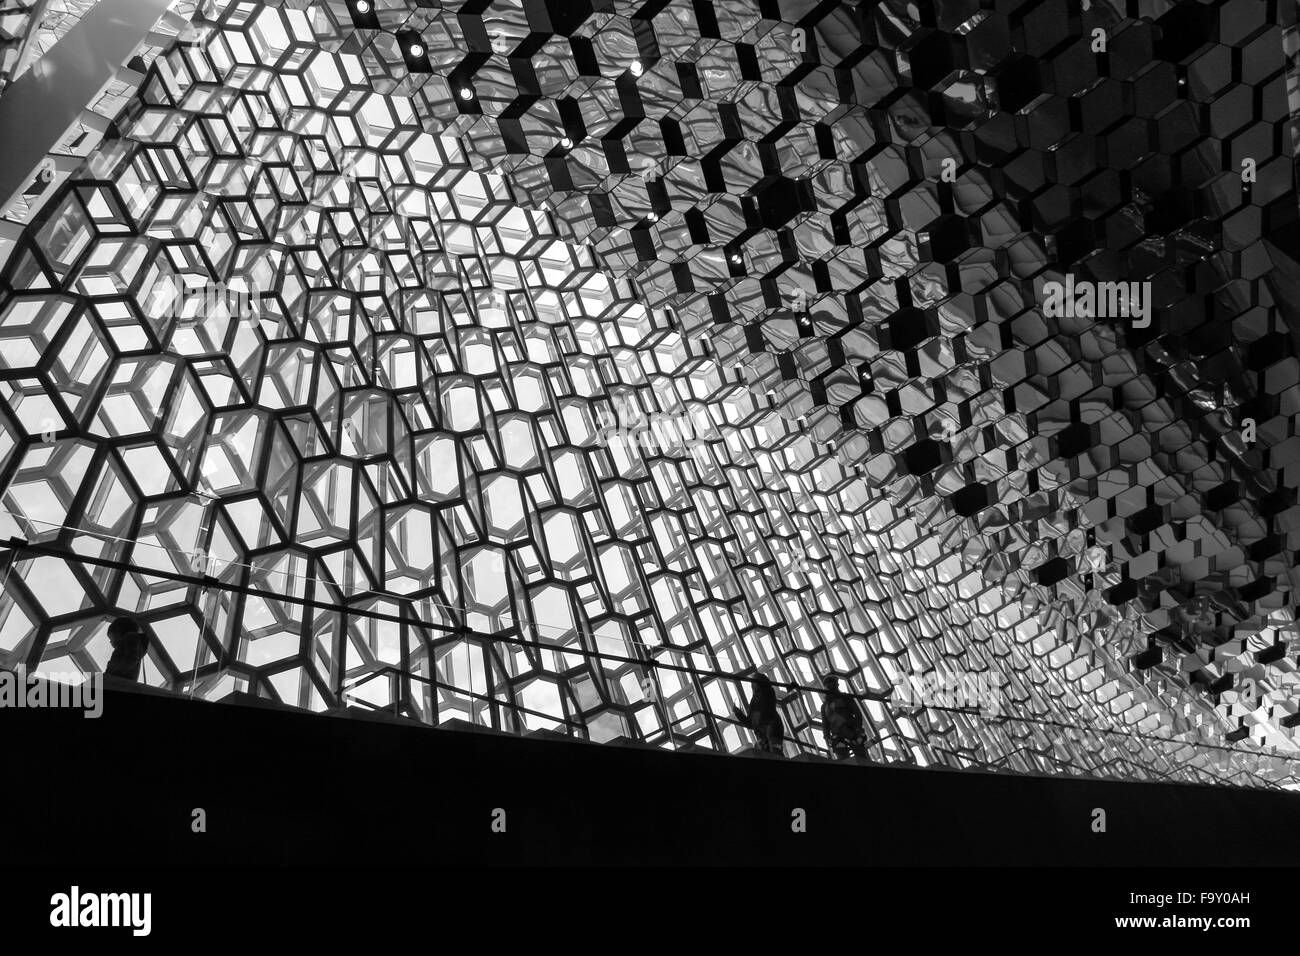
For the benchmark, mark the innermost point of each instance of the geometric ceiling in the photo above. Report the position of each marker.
(565, 370)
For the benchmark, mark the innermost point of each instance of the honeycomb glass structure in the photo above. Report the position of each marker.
(560, 365)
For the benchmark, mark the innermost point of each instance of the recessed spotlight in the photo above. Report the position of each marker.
(653, 217)
(637, 68)
(363, 6)
(735, 258)
(566, 142)
(416, 49)
(466, 93)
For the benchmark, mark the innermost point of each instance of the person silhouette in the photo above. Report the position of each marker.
(763, 718)
(130, 645)
(842, 722)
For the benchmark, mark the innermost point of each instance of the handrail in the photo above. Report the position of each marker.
(16, 544)
(458, 631)
(394, 669)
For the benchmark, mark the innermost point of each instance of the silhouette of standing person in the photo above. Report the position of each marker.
(130, 645)
(763, 718)
(842, 722)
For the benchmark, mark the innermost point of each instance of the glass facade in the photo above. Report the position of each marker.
(560, 366)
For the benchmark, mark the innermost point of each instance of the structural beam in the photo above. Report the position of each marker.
(38, 108)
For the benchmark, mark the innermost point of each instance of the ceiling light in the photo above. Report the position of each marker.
(637, 68)
(466, 92)
(416, 49)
